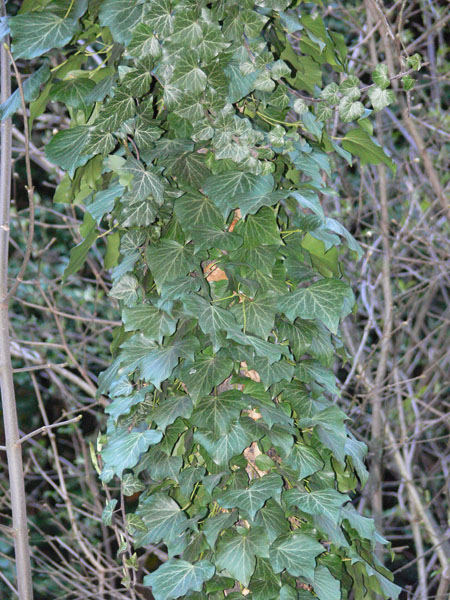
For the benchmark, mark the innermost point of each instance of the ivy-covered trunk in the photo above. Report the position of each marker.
(199, 135)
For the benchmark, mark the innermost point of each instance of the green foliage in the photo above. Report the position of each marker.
(228, 275)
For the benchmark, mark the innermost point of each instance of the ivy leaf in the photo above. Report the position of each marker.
(223, 188)
(121, 18)
(271, 517)
(155, 362)
(296, 553)
(223, 449)
(188, 167)
(305, 460)
(265, 585)
(206, 372)
(262, 348)
(31, 87)
(325, 585)
(251, 499)
(160, 18)
(311, 370)
(216, 413)
(78, 254)
(380, 76)
(65, 149)
(326, 502)
(213, 526)
(256, 315)
(288, 593)
(35, 33)
(193, 210)
(124, 448)
(131, 485)
(154, 323)
(330, 428)
(380, 98)
(323, 300)
(261, 194)
(299, 334)
(206, 237)
(119, 109)
(125, 288)
(357, 451)
(160, 466)
(212, 319)
(187, 75)
(260, 228)
(169, 260)
(73, 92)
(104, 202)
(143, 42)
(349, 110)
(364, 526)
(359, 143)
(272, 373)
(177, 577)
(211, 43)
(179, 287)
(163, 519)
(122, 405)
(236, 553)
(145, 182)
(350, 88)
(108, 511)
(169, 409)
(138, 213)
(330, 93)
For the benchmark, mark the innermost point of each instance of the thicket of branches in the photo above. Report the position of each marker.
(393, 386)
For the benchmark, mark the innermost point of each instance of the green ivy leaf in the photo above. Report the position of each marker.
(121, 18)
(187, 75)
(305, 460)
(155, 362)
(213, 526)
(66, 148)
(380, 76)
(169, 260)
(380, 98)
(35, 33)
(350, 110)
(160, 18)
(79, 253)
(177, 577)
(108, 511)
(223, 448)
(296, 553)
(236, 553)
(216, 413)
(256, 315)
(31, 87)
(162, 517)
(251, 499)
(206, 372)
(169, 409)
(326, 502)
(125, 447)
(154, 323)
(73, 92)
(323, 300)
(271, 517)
(359, 143)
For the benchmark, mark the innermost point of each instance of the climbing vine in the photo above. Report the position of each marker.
(199, 136)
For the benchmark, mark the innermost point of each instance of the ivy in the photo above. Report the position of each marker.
(197, 139)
